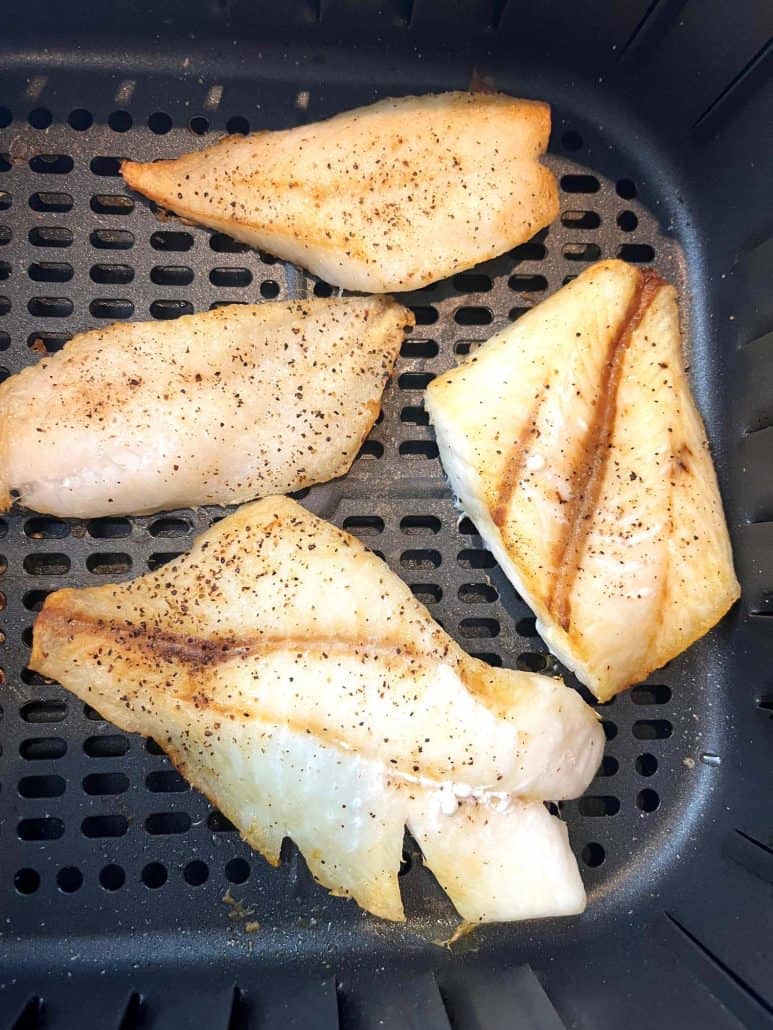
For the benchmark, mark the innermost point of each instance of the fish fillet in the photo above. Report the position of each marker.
(298, 683)
(382, 198)
(244, 401)
(573, 442)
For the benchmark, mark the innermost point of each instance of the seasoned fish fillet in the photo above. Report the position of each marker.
(236, 403)
(387, 197)
(298, 683)
(572, 441)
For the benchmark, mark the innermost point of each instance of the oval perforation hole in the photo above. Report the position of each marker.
(167, 823)
(467, 527)
(5, 200)
(109, 527)
(155, 561)
(120, 121)
(223, 244)
(600, 805)
(230, 277)
(5, 340)
(111, 274)
(580, 220)
(105, 784)
(527, 283)
(105, 166)
(475, 629)
(111, 204)
(56, 202)
(92, 714)
(6, 235)
(636, 253)
(166, 781)
(47, 343)
(109, 745)
(472, 282)
(111, 563)
(580, 184)
(50, 307)
(98, 826)
(474, 558)
(581, 251)
(44, 710)
(414, 416)
(50, 271)
(425, 314)
(5, 270)
(650, 694)
(33, 599)
(35, 679)
(371, 449)
(171, 275)
(469, 315)
(51, 164)
(44, 564)
(532, 661)
(173, 242)
(421, 558)
(489, 657)
(46, 527)
(648, 800)
(416, 525)
(114, 308)
(427, 593)
(323, 290)
(50, 236)
(419, 349)
(218, 823)
(170, 527)
(415, 380)
(417, 449)
(40, 829)
(477, 593)
(42, 749)
(41, 786)
(112, 239)
(527, 627)
(627, 221)
(364, 525)
(652, 729)
(167, 309)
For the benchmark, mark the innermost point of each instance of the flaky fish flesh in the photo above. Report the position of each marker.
(241, 402)
(573, 442)
(388, 197)
(298, 683)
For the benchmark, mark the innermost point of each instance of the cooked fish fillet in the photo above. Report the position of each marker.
(236, 403)
(297, 682)
(382, 198)
(572, 441)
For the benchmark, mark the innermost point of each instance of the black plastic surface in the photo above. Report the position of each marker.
(112, 874)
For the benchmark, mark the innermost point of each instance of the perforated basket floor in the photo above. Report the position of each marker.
(122, 886)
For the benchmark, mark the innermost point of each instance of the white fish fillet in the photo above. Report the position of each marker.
(382, 198)
(297, 682)
(244, 401)
(573, 442)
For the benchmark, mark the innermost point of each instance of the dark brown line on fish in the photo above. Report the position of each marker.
(516, 460)
(589, 473)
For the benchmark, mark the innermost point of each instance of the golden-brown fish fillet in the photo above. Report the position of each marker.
(382, 198)
(573, 442)
(297, 682)
(236, 403)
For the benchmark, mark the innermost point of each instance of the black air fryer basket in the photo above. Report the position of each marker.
(127, 901)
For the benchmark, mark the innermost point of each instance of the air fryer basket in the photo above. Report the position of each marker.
(126, 899)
